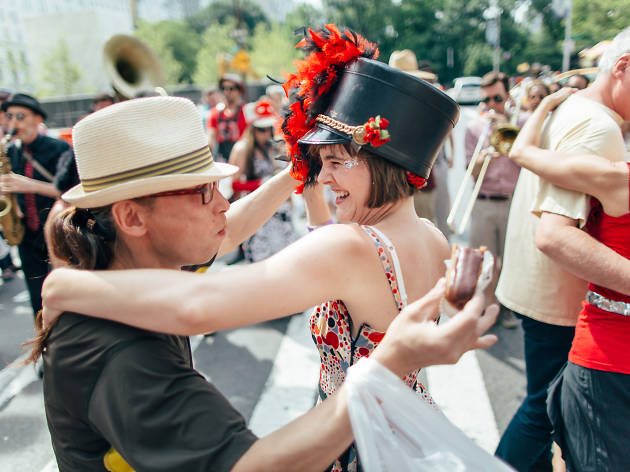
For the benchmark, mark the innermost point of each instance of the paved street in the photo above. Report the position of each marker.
(268, 371)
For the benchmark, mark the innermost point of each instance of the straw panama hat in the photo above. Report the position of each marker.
(140, 147)
(406, 61)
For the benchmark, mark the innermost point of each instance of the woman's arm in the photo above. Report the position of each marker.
(317, 210)
(413, 341)
(249, 213)
(324, 265)
(238, 158)
(594, 175)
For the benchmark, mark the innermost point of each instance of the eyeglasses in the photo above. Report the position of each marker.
(18, 116)
(496, 98)
(229, 88)
(206, 191)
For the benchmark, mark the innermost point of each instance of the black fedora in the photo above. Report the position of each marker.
(420, 116)
(26, 101)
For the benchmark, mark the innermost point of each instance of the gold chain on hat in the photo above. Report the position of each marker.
(357, 132)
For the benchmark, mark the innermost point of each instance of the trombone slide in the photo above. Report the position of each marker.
(450, 221)
(473, 196)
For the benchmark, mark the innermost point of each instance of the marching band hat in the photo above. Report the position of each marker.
(418, 116)
(140, 147)
(26, 101)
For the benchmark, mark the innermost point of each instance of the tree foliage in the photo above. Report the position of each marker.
(448, 36)
(176, 46)
(215, 40)
(59, 73)
(276, 38)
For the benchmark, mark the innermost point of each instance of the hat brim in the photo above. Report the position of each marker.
(422, 74)
(265, 122)
(323, 134)
(141, 187)
(6, 104)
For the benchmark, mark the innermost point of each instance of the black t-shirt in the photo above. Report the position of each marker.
(110, 385)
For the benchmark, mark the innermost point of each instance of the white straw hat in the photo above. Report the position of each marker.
(140, 147)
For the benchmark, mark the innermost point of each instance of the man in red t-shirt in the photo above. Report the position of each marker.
(226, 122)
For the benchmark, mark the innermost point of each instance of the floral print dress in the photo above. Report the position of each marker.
(331, 329)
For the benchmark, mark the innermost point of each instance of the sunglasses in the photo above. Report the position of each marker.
(18, 116)
(496, 99)
(206, 191)
(229, 88)
(263, 130)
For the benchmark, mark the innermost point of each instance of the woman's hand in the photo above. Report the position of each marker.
(50, 313)
(551, 102)
(414, 340)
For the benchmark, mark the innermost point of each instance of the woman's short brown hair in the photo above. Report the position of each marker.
(389, 181)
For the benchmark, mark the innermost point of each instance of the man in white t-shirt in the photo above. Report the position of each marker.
(545, 246)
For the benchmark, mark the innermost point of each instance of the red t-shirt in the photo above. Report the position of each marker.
(602, 339)
(228, 128)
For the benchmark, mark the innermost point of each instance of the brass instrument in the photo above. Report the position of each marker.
(11, 222)
(501, 138)
(132, 66)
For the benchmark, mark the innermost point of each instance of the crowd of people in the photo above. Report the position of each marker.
(155, 184)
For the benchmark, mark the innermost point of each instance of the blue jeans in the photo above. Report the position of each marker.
(526, 443)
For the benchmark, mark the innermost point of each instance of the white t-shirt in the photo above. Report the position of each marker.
(531, 283)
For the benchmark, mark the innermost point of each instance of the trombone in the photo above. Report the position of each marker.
(501, 138)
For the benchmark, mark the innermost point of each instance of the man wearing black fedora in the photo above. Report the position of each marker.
(41, 169)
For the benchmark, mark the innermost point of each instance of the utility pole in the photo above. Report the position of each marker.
(568, 43)
(492, 15)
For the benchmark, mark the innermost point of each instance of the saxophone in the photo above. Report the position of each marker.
(12, 225)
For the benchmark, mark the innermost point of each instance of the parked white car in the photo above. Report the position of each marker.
(466, 90)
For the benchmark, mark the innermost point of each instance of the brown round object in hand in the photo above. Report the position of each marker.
(463, 274)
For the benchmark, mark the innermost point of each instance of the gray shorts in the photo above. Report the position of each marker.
(590, 413)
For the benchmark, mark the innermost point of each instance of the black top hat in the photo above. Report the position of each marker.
(26, 101)
(420, 116)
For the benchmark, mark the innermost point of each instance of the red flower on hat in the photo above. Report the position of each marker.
(376, 131)
(416, 180)
(264, 109)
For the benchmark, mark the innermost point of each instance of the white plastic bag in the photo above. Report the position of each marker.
(396, 430)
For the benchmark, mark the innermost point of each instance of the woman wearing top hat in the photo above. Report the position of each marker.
(369, 132)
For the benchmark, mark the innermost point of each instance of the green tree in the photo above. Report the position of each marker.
(215, 40)
(242, 13)
(596, 21)
(60, 75)
(175, 44)
(305, 15)
(273, 50)
(373, 19)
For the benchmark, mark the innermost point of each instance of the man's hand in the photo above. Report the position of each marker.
(15, 183)
(414, 340)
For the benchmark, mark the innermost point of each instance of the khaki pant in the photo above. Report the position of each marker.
(488, 222)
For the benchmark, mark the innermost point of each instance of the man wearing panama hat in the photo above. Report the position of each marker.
(42, 168)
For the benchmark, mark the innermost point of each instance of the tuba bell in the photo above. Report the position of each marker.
(132, 66)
